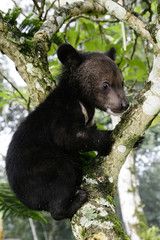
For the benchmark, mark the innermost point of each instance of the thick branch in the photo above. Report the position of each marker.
(30, 61)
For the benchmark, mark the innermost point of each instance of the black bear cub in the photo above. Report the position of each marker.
(42, 164)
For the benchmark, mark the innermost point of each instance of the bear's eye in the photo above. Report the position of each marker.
(105, 85)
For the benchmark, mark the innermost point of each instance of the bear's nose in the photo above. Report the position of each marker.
(124, 104)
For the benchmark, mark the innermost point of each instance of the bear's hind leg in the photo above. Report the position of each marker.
(66, 208)
(63, 193)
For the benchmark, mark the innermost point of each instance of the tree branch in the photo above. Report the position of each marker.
(134, 46)
(52, 25)
(33, 67)
(96, 20)
(36, 5)
(47, 10)
(41, 10)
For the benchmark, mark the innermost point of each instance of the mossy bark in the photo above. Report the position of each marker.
(30, 59)
(97, 218)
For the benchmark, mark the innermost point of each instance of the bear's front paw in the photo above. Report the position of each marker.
(140, 140)
(105, 147)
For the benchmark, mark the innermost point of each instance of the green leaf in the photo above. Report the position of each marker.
(100, 127)
(57, 39)
(11, 206)
(154, 6)
(123, 63)
(138, 9)
(155, 121)
(73, 36)
(137, 63)
(25, 22)
(12, 15)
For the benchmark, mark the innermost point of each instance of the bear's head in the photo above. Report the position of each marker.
(95, 78)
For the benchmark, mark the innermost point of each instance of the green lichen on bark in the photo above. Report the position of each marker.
(97, 216)
(96, 219)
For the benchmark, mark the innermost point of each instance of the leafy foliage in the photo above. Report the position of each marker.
(11, 16)
(30, 25)
(9, 205)
(8, 96)
(27, 28)
(152, 233)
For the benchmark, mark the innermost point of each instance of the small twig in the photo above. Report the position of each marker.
(18, 100)
(14, 87)
(146, 53)
(102, 33)
(36, 5)
(130, 5)
(50, 6)
(19, 7)
(42, 3)
(28, 104)
(131, 88)
(149, 9)
(97, 20)
(41, 10)
(135, 44)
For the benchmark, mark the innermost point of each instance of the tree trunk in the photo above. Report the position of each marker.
(130, 202)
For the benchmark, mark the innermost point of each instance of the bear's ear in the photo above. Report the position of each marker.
(68, 55)
(111, 53)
